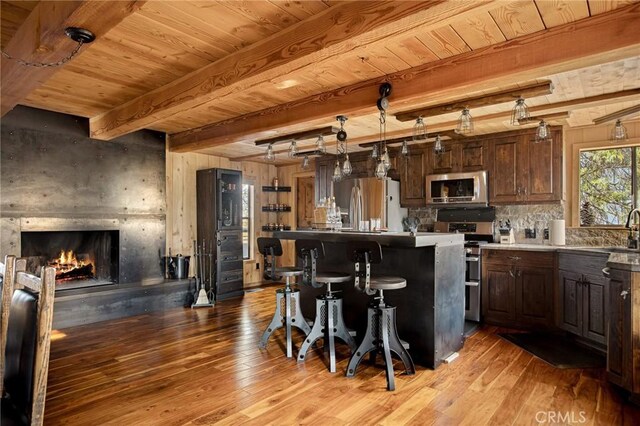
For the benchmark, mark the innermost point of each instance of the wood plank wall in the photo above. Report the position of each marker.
(588, 137)
(181, 202)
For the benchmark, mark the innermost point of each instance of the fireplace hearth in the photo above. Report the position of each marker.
(81, 258)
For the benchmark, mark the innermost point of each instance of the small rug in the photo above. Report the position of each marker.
(557, 350)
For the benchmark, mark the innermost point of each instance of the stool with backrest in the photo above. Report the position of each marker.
(27, 350)
(329, 323)
(8, 271)
(288, 311)
(381, 334)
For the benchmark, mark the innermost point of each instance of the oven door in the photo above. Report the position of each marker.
(472, 288)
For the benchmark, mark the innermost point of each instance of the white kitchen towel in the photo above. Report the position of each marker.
(557, 232)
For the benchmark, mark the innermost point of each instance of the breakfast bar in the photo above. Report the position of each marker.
(430, 314)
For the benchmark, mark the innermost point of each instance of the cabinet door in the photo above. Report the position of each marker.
(570, 301)
(324, 171)
(594, 308)
(534, 296)
(472, 156)
(545, 169)
(498, 293)
(412, 179)
(445, 162)
(619, 329)
(506, 171)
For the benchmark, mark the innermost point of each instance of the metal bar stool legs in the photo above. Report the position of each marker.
(382, 336)
(288, 314)
(328, 325)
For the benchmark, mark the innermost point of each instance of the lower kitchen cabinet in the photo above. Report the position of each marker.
(582, 295)
(517, 288)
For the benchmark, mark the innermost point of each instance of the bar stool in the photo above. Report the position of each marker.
(288, 312)
(328, 323)
(381, 334)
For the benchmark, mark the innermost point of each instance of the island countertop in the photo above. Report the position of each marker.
(389, 239)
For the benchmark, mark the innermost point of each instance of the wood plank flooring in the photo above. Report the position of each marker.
(200, 367)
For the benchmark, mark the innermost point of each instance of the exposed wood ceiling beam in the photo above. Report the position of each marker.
(618, 114)
(343, 28)
(536, 119)
(41, 38)
(448, 133)
(306, 134)
(526, 92)
(603, 38)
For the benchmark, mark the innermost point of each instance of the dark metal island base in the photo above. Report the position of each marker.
(430, 310)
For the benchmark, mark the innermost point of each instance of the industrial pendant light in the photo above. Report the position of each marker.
(320, 146)
(342, 147)
(374, 152)
(269, 155)
(293, 149)
(337, 172)
(520, 112)
(619, 132)
(384, 162)
(305, 162)
(543, 134)
(438, 146)
(465, 122)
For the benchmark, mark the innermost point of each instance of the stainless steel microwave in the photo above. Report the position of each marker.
(457, 188)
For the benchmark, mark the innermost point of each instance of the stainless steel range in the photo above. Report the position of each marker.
(477, 225)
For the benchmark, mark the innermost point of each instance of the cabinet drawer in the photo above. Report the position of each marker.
(228, 276)
(230, 242)
(518, 257)
(233, 265)
(229, 287)
(230, 257)
(587, 264)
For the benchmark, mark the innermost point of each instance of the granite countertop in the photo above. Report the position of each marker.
(626, 261)
(391, 239)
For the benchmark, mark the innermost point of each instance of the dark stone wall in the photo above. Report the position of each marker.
(54, 177)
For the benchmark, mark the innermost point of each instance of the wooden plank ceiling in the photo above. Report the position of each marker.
(181, 67)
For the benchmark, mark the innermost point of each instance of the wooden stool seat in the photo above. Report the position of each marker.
(387, 283)
(332, 277)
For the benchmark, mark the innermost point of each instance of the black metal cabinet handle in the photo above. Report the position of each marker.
(514, 257)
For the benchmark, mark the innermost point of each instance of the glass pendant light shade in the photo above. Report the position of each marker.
(465, 122)
(405, 148)
(293, 149)
(419, 130)
(619, 132)
(386, 161)
(320, 146)
(374, 152)
(438, 146)
(520, 112)
(381, 171)
(305, 162)
(337, 173)
(346, 166)
(543, 133)
(269, 155)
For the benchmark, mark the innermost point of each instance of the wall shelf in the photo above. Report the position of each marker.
(276, 189)
(284, 228)
(274, 210)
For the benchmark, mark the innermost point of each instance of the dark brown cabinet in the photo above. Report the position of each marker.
(524, 171)
(412, 178)
(459, 156)
(582, 296)
(517, 288)
(323, 180)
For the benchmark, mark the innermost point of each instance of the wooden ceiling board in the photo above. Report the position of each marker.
(413, 52)
(558, 12)
(479, 31)
(597, 7)
(444, 42)
(384, 60)
(12, 15)
(518, 18)
(301, 9)
(263, 14)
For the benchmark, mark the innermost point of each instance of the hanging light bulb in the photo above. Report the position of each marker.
(346, 166)
(542, 132)
(381, 172)
(293, 149)
(438, 146)
(405, 148)
(269, 155)
(305, 162)
(385, 160)
(419, 130)
(465, 122)
(337, 173)
(374, 152)
(320, 146)
(520, 112)
(619, 132)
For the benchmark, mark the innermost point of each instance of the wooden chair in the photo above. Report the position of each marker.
(27, 349)
(8, 270)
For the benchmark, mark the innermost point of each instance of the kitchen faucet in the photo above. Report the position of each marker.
(633, 240)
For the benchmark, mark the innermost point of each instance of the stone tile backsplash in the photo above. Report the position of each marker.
(536, 216)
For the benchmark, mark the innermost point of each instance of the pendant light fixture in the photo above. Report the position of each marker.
(438, 145)
(337, 172)
(305, 162)
(342, 148)
(619, 132)
(384, 163)
(465, 122)
(293, 149)
(269, 155)
(320, 146)
(419, 132)
(520, 112)
(374, 152)
(543, 134)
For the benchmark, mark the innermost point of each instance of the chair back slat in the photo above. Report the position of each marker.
(310, 251)
(270, 248)
(8, 270)
(363, 254)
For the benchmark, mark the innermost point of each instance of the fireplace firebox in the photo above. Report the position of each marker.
(81, 258)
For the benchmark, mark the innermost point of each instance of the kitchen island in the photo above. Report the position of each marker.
(430, 310)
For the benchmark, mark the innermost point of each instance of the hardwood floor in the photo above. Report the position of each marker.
(200, 367)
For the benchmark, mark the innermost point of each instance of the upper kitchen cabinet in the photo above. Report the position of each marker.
(413, 171)
(459, 156)
(522, 170)
(324, 172)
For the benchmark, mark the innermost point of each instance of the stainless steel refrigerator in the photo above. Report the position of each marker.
(366, 198)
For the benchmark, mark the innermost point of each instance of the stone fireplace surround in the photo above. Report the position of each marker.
(54, 178)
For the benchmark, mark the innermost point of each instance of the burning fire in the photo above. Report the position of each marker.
(67, 262)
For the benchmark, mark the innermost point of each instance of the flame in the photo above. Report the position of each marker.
(68, 261)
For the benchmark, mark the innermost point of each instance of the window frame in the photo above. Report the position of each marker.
(250, 220)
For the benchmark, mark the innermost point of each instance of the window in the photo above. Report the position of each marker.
(606, 185)
(247, 220)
